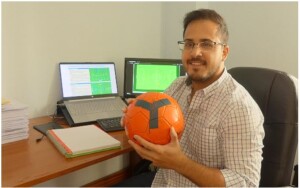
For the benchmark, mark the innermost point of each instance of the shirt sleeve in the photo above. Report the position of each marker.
(242, 135)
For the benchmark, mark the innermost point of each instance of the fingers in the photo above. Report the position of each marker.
(122, 121)
(126, 132)
(125, 109)
(129, 101)
(164, 156)
(173, 134)
(147, 145)
(133, 144)
(139, 149)
(145, 148)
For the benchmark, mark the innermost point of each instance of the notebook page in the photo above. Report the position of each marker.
(84, 139)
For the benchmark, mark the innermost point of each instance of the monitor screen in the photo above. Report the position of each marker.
(150, 75)
(87, 79)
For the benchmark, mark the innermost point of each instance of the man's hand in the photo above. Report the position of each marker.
(170, 156)
(124, 112)
(164, 156)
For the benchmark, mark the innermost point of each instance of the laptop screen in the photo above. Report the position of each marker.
(88, 79)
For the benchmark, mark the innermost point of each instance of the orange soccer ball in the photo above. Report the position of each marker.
(151, 116)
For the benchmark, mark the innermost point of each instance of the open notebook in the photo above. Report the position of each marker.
(90, 91)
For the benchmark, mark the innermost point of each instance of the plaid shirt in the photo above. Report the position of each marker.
(223, 129)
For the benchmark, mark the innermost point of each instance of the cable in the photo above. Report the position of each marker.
(39, 139)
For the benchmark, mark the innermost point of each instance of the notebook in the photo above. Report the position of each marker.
(90, 91)
(82, 140)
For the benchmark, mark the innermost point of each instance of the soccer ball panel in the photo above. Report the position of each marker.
(151, 116)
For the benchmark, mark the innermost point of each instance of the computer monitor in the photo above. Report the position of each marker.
(143, 75)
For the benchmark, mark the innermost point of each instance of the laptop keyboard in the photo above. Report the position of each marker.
(110, 124)
(87, 107)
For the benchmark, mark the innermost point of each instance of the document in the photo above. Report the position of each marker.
(14, 121)
(82, 140)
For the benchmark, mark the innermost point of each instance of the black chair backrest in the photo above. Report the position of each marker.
(276, 95)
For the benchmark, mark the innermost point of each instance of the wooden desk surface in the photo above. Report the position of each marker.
(27, 162)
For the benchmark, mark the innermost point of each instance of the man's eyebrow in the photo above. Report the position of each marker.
(201, 40)
(205, 40)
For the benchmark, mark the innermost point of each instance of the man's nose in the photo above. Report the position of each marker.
(196, 51)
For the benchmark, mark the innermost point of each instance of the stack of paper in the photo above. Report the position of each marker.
(14, 121)
(82, 140)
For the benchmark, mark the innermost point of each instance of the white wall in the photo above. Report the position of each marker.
(172, 27)
(262, 34)
(36, 36)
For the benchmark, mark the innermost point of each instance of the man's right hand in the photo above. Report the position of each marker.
(124, 112)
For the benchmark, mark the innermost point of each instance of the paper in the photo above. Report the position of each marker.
(14, 121)
(82, 140)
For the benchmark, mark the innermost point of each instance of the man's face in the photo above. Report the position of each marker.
(202, 65)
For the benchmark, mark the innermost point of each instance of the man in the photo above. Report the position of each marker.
(222, 141)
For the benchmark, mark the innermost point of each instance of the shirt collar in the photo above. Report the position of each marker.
(216, 84)
(212, 87)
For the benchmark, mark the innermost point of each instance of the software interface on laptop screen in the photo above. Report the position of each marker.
(88, 79)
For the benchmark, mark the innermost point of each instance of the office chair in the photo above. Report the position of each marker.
(276, 94)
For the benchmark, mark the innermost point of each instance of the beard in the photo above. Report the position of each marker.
(199, 74)
(203, 73)
(199, 78)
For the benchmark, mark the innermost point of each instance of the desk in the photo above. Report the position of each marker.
(27, 163)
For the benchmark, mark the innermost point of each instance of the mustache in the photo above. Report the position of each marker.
(196, 59)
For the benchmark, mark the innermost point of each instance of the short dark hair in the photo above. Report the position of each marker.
(207, 14)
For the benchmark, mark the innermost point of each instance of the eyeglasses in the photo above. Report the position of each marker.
(206, 45)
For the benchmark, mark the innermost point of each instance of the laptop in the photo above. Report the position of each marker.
(90, 91)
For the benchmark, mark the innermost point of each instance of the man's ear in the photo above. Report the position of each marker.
(225, 52)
